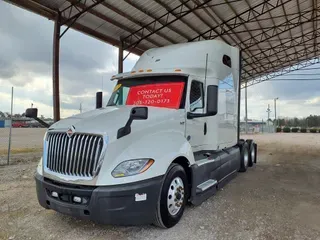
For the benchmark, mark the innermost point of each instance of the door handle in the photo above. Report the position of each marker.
(205, 128)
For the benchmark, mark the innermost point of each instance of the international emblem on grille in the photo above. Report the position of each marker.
(71, 131)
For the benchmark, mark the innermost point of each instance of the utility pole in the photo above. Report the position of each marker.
(80, 108)
(10, 132)
(268, 111)
(275, 111)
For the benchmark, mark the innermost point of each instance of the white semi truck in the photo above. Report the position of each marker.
(168, 135)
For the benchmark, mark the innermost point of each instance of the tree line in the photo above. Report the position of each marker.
(307, 122)
(4, 115)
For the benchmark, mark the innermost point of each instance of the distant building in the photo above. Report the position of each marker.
(254, 126)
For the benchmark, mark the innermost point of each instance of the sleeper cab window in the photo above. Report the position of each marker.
(226, 60)
(196, 96)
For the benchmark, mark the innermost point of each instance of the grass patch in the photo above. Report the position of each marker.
(20, 150)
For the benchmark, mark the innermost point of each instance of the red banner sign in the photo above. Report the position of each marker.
(166, 95)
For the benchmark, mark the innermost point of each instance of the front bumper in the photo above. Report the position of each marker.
(127, 204)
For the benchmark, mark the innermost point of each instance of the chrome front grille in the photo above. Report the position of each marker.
(75, 156)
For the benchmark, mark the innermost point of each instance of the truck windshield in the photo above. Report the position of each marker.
(157, 91)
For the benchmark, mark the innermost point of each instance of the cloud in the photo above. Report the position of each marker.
(86, 64)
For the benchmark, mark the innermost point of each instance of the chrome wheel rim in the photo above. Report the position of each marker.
(246, 157)
(253, 154)
(175, 196)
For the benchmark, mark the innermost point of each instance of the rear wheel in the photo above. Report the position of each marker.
(252, 152)
(173, 197)
(244, 157)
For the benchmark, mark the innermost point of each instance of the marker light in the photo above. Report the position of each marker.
(133, 72)
(54, 194)
(177, 70)
(149, 70)
(141, 70)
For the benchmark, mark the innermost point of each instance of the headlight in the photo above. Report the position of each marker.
(132, 167)
(39, 167)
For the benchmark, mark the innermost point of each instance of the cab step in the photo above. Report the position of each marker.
(206, 185)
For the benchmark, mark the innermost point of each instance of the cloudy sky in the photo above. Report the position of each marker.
(87, 64)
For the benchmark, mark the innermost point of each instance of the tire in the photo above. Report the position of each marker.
(256, 149)
(244, 157)
(168, 217)
(252, 152)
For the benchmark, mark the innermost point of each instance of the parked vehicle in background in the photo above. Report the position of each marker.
(19, 124)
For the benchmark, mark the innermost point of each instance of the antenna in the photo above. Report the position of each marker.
(205, 73)
(102, 84)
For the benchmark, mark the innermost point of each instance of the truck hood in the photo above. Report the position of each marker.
(108, 120)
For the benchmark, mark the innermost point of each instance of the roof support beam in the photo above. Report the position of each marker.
(315, 24)
(133, 43)
(288, 69)
(240, 19)
(160, 21)
(107, 19)
(275, 49)
(84, 10)
(175, 15)
(281, 28)
(300, 56)
(237, 41)
(137, 22)
(287, 59)
(301, 28)
(241, 43)
(286, 48)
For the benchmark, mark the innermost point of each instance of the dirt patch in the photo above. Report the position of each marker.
(277, 199)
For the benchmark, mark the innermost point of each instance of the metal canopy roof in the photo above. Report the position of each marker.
(275, 36)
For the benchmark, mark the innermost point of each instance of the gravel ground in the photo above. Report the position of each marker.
(277, 199)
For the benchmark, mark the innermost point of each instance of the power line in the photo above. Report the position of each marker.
(303, 74)
(295, 79)
(303, 69)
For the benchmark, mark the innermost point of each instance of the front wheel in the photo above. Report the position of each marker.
(173, 197)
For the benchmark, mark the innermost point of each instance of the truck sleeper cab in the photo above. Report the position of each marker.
(168, 136)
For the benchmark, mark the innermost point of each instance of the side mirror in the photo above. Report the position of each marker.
(139, 113)
(32, 113)
(212, 100)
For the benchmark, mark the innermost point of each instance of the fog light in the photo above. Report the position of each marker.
(54, 194)
(77, 199)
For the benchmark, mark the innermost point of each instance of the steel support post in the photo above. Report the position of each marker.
(246, 105)
(120, 57)
(55, 68)
(239, 94)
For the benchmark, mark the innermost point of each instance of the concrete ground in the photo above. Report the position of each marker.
(279, 198)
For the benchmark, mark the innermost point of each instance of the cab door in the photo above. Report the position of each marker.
(196, 127)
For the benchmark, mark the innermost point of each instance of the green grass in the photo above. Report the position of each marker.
(20, 150)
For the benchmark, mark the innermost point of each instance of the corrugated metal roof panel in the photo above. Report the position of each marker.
(273, 34)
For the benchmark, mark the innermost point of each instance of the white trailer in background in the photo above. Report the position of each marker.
(168, 135)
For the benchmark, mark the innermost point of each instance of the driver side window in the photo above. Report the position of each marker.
(196, 96)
